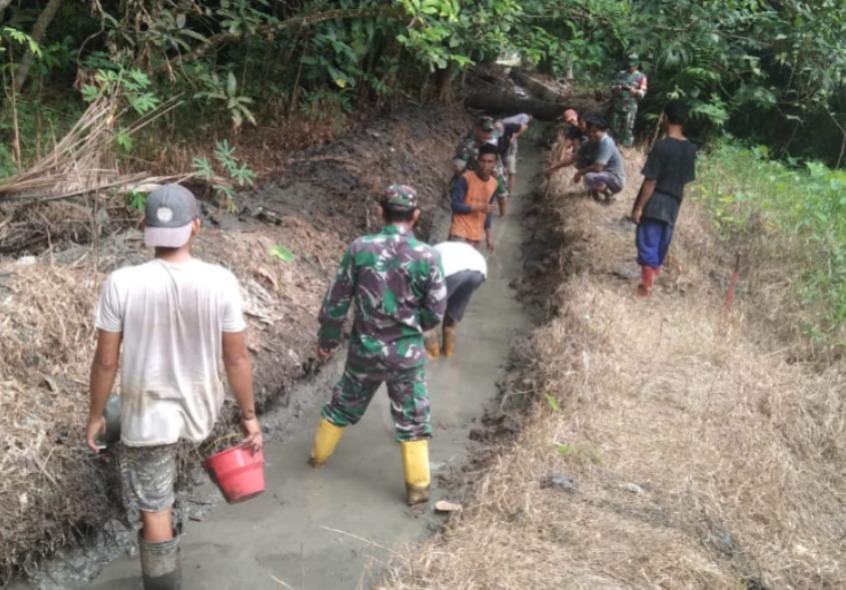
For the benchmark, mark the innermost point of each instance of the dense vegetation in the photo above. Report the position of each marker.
(768, 69)
(770, 72)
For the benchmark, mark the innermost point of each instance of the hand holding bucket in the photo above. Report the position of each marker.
(238, 471)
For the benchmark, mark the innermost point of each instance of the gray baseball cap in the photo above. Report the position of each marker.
(169, 215)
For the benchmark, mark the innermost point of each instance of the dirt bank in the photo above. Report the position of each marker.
(283, 244)
(666, 446)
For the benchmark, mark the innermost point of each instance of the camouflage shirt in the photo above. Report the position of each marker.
(625, 100)
(467, 153)
(398, 287)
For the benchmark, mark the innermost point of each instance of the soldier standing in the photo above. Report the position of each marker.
(467, 154)
(628, 87)
(397, 285)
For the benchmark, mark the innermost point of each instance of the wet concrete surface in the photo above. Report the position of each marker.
(333, 528)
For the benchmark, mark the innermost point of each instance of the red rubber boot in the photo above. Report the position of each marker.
(647, 278)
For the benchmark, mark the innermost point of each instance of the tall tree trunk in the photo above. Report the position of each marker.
(39, 31)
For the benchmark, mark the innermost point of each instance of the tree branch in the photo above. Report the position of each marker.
(39, 30)
(297, 21)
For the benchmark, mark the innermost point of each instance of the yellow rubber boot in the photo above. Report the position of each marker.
(449, 340)
(325, 440)
(433, 346)
(415, 470)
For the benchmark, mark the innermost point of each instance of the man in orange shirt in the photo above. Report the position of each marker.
(472, 194)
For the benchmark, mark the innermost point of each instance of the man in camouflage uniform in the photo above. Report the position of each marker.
(397, 286)
(467, 153)
(628, 87)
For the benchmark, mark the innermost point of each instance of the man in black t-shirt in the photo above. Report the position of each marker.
(670, 166)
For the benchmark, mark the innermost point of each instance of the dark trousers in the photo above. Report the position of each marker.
(460, 288)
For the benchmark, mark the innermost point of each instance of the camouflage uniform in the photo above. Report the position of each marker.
(624, 104)
(397, 285)
(467, 153)
(148, 476)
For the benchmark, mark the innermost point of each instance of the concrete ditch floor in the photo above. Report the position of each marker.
(333, 528)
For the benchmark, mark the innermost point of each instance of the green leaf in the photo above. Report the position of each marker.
(553, 403)
(231, 84)
(282, 253)
(564, 449)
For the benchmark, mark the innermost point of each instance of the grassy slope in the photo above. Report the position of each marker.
(702, 457)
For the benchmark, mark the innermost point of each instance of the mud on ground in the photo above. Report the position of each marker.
(283, 244)
(666, 446)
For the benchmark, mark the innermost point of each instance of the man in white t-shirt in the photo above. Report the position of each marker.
(176, 319)
(465, 270)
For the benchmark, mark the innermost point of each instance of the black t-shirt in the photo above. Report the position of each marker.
(508, 129)
(672, 164)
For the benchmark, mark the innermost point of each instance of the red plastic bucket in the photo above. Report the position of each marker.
(238, 474)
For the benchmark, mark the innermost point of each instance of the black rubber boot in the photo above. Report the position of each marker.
(160, 566)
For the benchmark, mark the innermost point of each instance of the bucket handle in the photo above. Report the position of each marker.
(218, 440)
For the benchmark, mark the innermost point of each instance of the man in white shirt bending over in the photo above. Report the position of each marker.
(176, 318)
(465, 270)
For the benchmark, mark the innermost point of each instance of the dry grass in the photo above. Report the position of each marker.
(703, 459)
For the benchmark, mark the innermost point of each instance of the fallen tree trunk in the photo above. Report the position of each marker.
(539, 88)
(508, 104)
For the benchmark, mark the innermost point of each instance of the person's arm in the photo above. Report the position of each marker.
(603, 156)
(651, 172)
(647, 189)
(640, 90)
(563, 163)
(616, 84)
(336, 304)
(239, 372)
(104, 368)
(459, 162)
(433, 306)
(595, 167)
(488, 233)
(519, 132)
(237, 363)
(459, 193)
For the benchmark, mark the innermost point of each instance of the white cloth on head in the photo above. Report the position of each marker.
(172, 317)
(458, 256)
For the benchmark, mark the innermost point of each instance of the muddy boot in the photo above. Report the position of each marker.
(160, 567)
(325, 440)
(647, 274)
(449, 340)
(415, 470)
(432, 344)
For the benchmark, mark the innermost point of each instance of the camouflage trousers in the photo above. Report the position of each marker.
(406, 390)
(148, 476)
(622, 125)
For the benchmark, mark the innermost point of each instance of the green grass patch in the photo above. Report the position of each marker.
(795, 213)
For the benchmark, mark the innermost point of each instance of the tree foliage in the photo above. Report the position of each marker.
(771, 70)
